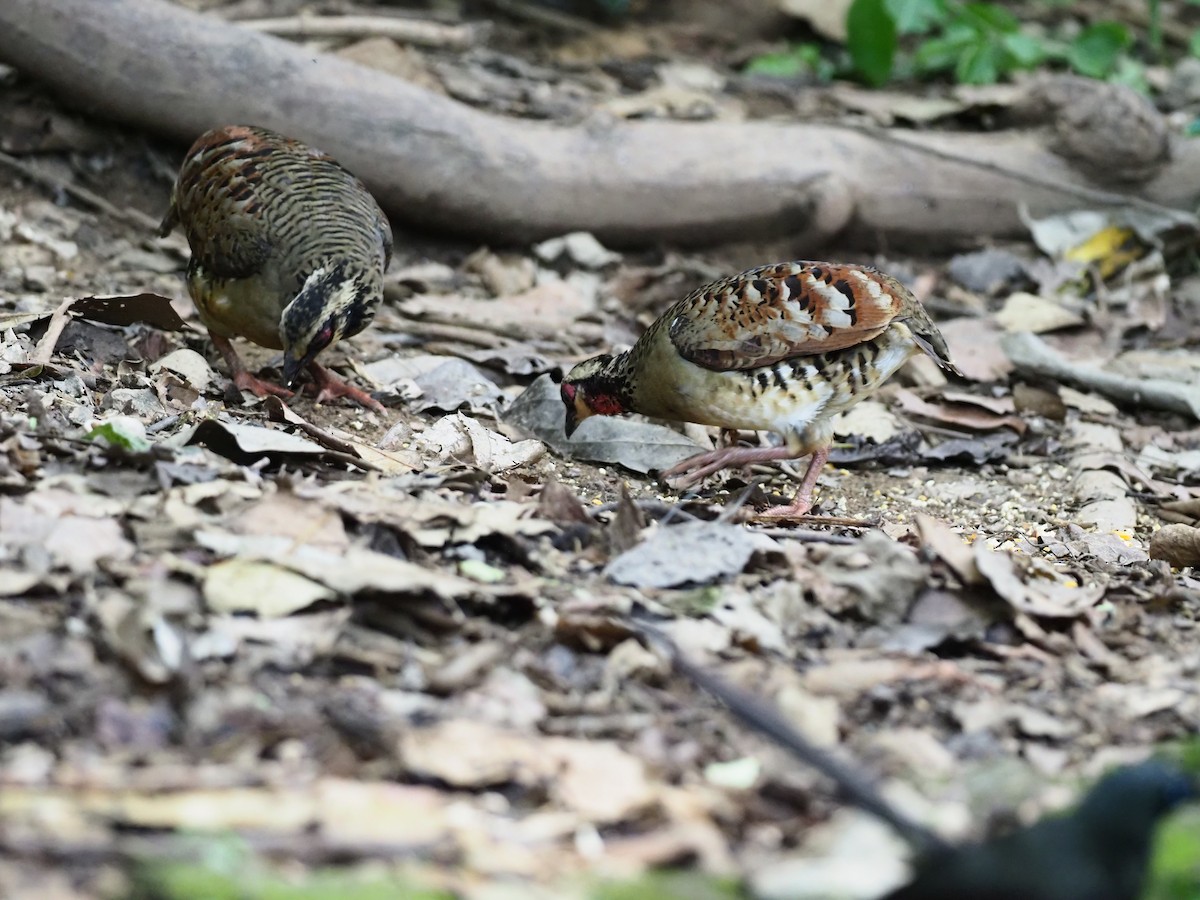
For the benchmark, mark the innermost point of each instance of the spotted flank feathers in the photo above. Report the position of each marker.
(778, 348)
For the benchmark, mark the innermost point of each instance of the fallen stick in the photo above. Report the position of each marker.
(406, 31)
(1033, 356)
(436, 163)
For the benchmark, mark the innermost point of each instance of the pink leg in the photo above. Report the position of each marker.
(242, 379)
(330, 387)
(803, 502)
(700, 466)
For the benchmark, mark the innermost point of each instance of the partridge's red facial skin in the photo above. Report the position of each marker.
(780, 348)
(288, 251)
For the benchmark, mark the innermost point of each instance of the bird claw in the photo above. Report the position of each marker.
(798, 509)
(330, 387)
(698, 467)
(244, 381)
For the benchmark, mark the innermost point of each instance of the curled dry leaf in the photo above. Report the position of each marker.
(464, 439)
(877, 577)
(950, 548)
(1178, 544)
(558, 504)
(1031, 585)
(188, 365)
(963, 415)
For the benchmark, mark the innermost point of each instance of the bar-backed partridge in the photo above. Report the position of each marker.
(288, 251)
(779, 348)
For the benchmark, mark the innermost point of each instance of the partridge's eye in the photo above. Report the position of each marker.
(568, 393)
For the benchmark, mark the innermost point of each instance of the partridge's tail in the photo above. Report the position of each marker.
(929, 339)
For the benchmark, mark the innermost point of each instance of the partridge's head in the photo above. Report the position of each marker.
(594, 388)
(335, 302)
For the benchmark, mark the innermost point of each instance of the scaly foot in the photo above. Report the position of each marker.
(803, 502)
(330, 387)
(695, 468)
(242, 379)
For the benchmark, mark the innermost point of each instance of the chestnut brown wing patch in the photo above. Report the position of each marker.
(782, 311)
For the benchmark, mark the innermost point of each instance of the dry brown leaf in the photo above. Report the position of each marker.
(1032, 586)
(950, 548)
(242, 585)
(596, 779)
(464, 439)
(558, 504)
(77, 543)
(961, 415)
(546, 310)
(284, 514)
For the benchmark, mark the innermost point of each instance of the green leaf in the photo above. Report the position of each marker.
(919, 16)
(123, 432)
(979, 65)
(1131, 73)
(1097, 48)
(940, 54)
(871, 40)
(989, 17)
(801, 59)
(1025, 50)
(1174, 871)
(1194, 43)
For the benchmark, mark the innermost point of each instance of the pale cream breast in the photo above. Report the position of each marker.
(794, 398)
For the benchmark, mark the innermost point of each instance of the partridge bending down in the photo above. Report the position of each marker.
(779, 348)
(288, 250)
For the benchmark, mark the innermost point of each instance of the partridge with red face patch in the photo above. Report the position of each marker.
(780, 348)
(288, 251)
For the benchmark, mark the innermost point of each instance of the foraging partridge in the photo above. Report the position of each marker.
(779, 348)
(288, 250)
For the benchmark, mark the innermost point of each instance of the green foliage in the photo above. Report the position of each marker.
(979, 42)
(975, 42)
(1175, 869)
(668, 885)
(117, 433)
(797, 61)
(872, 39)
(917, 16)
(197, 881)
(1098, 49)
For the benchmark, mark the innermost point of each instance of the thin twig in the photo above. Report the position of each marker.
(729, 513)
(766, 719)
(405, 31)
(523, 9)
(807, 535)
(58, 321)
(82, 194)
